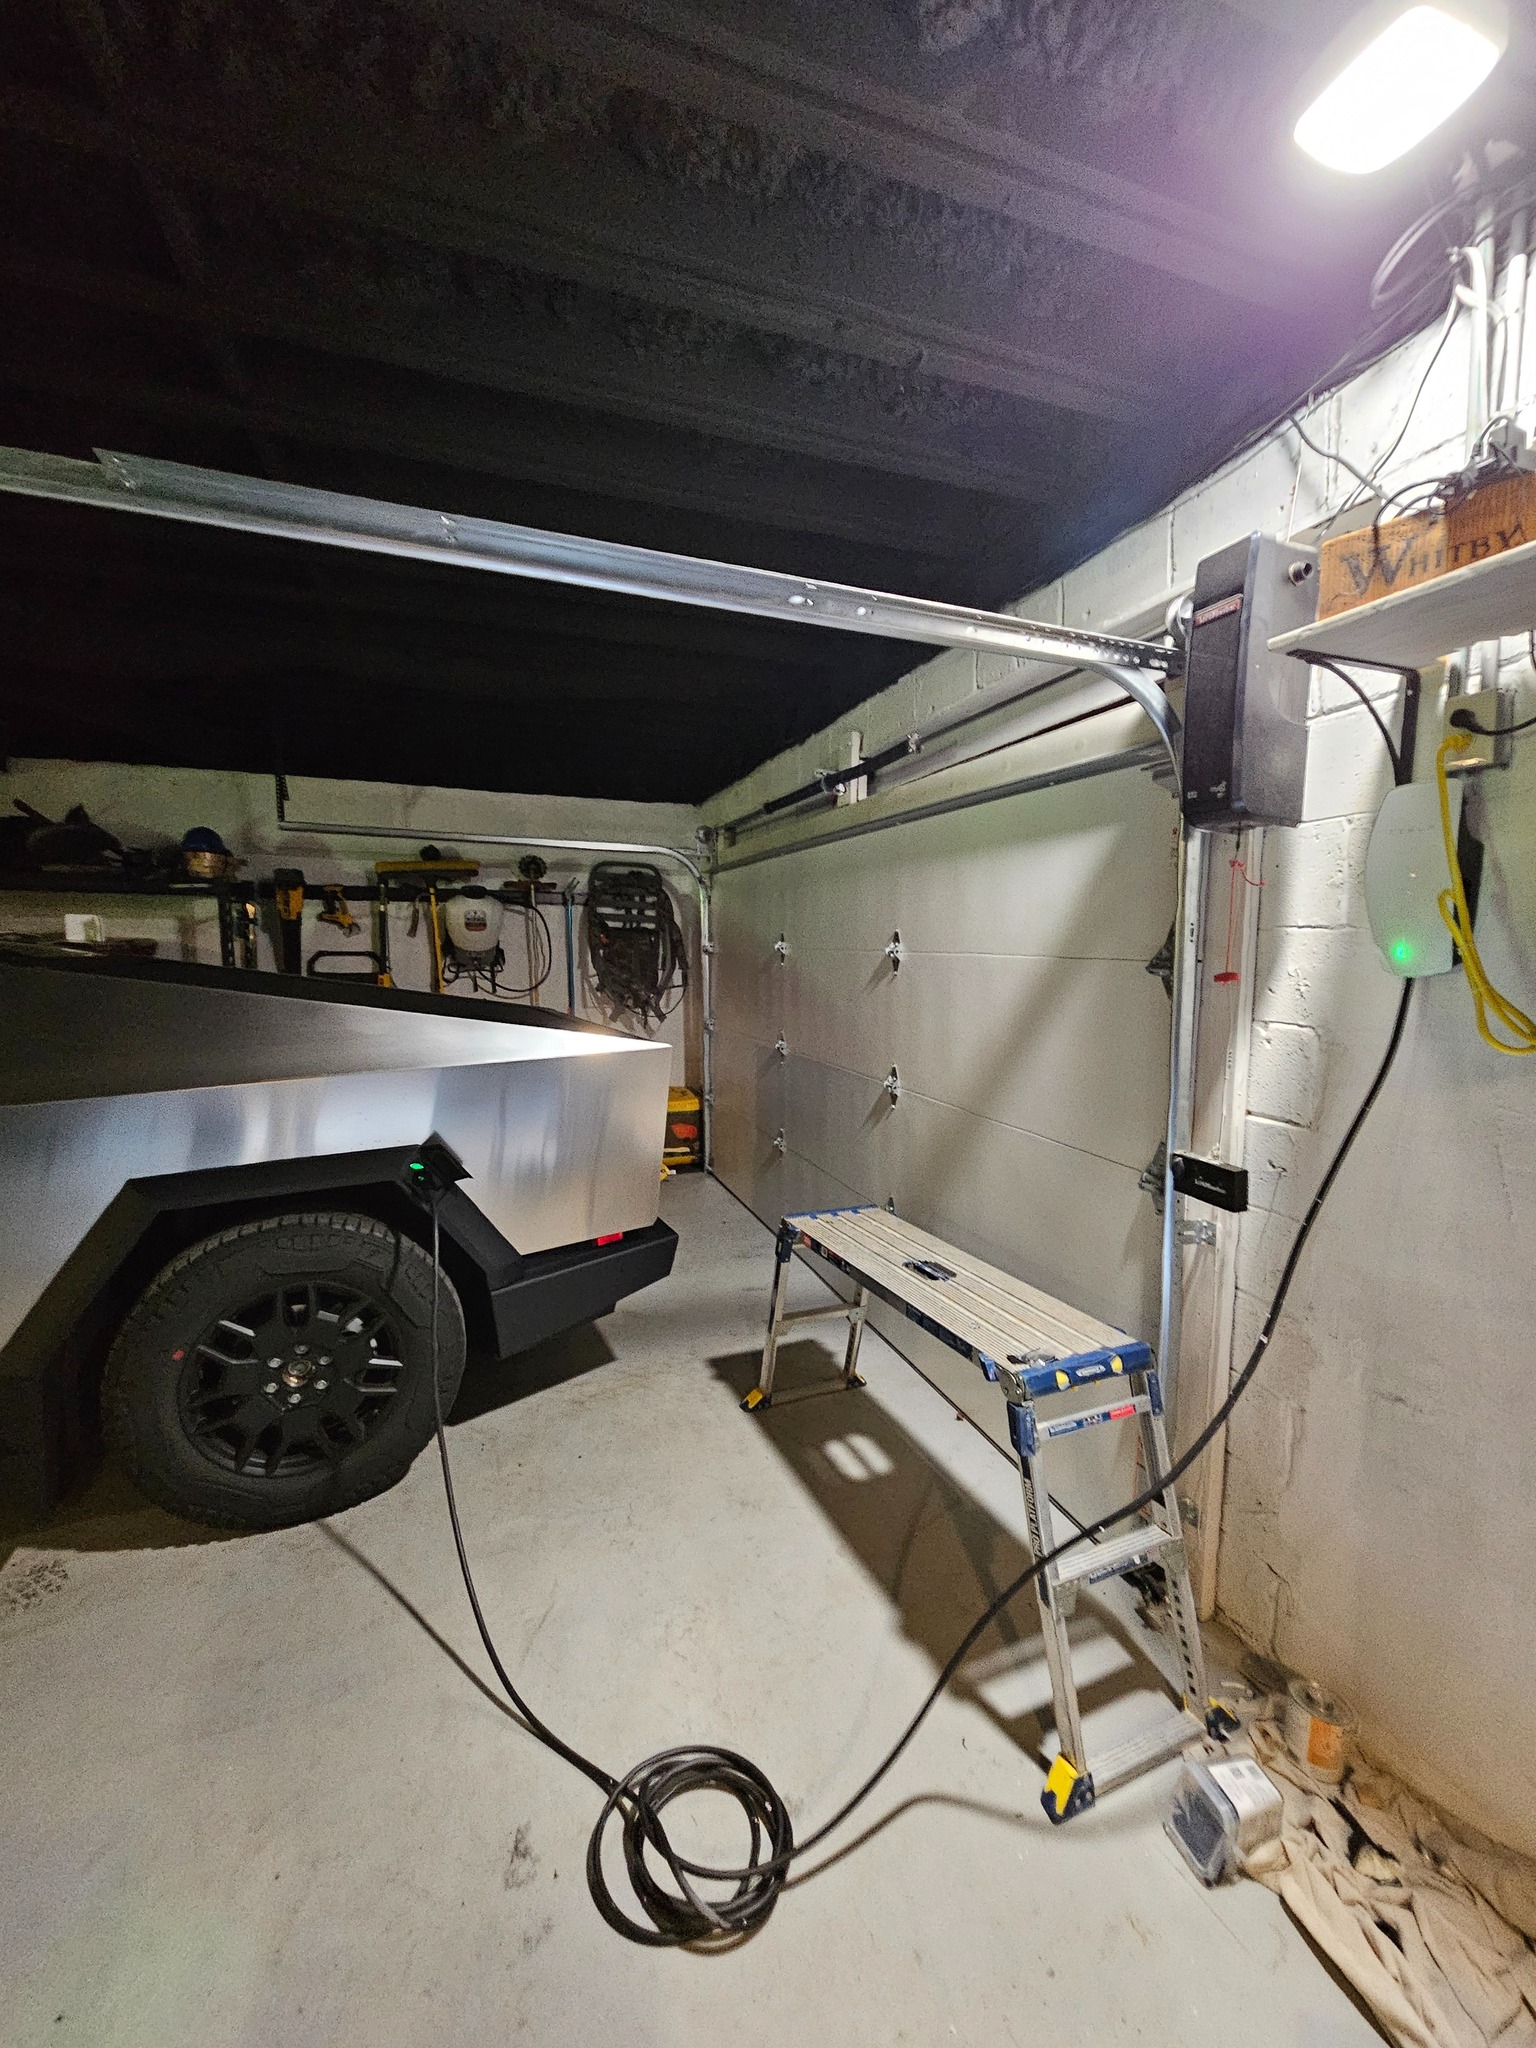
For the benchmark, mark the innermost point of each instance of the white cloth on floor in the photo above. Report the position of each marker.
(1425, 1921)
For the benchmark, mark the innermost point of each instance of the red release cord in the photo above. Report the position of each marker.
(1228, 972)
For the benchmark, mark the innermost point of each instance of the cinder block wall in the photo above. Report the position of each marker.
(1380, 1496)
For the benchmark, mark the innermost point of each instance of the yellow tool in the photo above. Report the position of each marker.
(443, 868)
(431, 867)
(435, 935)
(288, 895)
(336, 911)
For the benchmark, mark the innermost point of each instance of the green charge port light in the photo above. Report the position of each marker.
(436, 1166)
(1402, 954)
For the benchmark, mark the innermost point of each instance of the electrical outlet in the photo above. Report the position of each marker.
(1486, 708)
(1512, 444)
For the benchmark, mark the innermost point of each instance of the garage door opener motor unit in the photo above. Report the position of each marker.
(1245, 709)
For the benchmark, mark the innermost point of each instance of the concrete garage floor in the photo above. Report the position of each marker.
(255, 1791)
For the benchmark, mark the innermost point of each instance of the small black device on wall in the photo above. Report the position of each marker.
(1245, 709)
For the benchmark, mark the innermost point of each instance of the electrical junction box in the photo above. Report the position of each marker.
(1245, 709)
(1492, 709)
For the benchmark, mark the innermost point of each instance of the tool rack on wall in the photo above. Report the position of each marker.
(232, 896)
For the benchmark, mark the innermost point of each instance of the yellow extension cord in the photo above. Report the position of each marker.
(1458, 922)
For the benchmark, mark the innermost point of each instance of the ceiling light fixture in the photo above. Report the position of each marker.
(1397, 86)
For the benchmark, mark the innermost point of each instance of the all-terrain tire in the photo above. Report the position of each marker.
(321, 1398)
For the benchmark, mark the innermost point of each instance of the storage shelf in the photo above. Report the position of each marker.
(99, 882)
(113, 882)
(1484, 601)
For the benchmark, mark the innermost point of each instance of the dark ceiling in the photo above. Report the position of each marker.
(934, 295)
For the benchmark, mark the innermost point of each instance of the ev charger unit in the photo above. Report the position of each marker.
(1245, 709)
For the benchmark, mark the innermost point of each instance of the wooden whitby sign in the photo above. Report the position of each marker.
(1357, 568)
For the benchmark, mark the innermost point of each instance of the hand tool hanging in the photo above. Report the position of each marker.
(533, 870)
(381, 935)
(636, 946)
(288, 895)
(431, 867)
(336, 911)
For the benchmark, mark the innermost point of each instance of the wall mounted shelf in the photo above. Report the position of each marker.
(1484, 601)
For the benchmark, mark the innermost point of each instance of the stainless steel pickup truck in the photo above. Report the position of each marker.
(214, 1234)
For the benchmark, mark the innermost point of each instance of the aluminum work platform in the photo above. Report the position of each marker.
(1037, 1349)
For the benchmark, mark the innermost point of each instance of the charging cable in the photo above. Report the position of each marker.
(685, 1916)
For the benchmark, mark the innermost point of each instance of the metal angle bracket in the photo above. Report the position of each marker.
(1012, 1382)
(1161, 963)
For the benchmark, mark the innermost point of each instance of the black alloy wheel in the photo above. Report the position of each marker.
(291, 1381)
(281, 1370)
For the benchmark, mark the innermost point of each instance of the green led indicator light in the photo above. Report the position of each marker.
(418, 1166)
(1402, 952)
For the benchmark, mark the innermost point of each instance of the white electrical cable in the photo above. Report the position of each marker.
(1515, 283)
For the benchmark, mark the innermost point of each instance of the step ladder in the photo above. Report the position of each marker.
(1036, 1349)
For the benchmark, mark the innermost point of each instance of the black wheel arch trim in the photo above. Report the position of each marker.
(49, 1367)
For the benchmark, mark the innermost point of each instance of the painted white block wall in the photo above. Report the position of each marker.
(1380, 1504)
(1379, 1508)
(149, 806)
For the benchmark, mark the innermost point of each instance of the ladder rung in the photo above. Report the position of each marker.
(1153, 1746)
(1093, 1561)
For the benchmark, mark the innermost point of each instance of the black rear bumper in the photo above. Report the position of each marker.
(572, 1285)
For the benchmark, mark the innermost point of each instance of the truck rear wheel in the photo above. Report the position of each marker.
(281, 1370)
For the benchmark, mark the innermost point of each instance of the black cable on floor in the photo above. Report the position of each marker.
(641, 1796)
(639, 1799)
